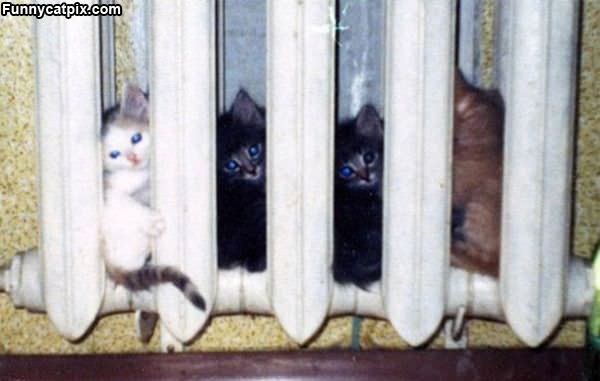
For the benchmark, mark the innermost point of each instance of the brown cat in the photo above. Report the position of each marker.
(477, 178)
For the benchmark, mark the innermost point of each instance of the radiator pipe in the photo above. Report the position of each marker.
(21, 280)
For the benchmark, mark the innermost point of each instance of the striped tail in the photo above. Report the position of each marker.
(152, 275)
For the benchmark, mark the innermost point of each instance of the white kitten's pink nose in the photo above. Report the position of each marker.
(132, 157)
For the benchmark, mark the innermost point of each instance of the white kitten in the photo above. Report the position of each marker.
(128, 223)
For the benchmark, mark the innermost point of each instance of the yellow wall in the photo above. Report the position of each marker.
(24, 332)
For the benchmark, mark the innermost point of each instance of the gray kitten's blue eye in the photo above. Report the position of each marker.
(369, 157)
(254, 150)
(346, 171)
(136, 138)
(231, 165)
(115, 154)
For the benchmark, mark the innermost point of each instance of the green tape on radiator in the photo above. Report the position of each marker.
(356, 323)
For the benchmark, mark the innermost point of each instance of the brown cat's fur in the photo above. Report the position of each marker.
(477, 177)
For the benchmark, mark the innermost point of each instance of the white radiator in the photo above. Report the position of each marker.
(538, 284)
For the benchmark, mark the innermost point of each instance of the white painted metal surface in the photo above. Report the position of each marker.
(182, 84)
(478, 294)
(107, 53)
(241, 291)
(20, 279)
(68, 127)
(359, 41)
(138, 38)
(300, 91)
(418, 124)
(580, 289)
(536, 61)
(469, 39)
(349, 299)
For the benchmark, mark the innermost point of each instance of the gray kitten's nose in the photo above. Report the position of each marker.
(247, 166)
(363, 174)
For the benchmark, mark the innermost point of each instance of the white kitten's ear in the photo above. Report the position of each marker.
(245, 111)
(134, 103)
(368, 122)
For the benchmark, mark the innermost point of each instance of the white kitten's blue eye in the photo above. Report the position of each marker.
(115, 154)
(254, 150)
(369, 157)
(136, 138)
(346, 171)
(231, 165)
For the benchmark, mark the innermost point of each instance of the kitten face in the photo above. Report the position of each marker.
(126, 147)
(359, 148)
(241, 142)
(125, 133)
(245, 163)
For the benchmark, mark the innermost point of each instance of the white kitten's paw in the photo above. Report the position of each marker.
(156, 224)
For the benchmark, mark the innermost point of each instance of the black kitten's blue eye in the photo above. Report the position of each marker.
(115, 154)
(231, 165)
(346, 171)
(136, 138)
(254, 150)
(369, 157)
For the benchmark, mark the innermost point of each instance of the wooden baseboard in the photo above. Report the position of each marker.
(413, 365)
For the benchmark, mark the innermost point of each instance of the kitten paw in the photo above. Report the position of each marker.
(156, 225)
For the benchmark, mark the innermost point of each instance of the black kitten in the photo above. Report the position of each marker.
(358, 207)
(241, 203)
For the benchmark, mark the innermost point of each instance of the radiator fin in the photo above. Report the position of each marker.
(68, 127)
(536, 70)
(300, 93)
(418, 137)
(182, 97)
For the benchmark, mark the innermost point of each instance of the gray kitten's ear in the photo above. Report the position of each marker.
(245, 111)
(134, 103)
(368, 122)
